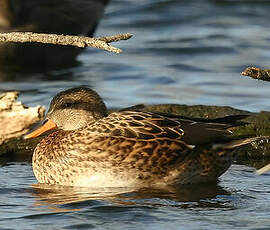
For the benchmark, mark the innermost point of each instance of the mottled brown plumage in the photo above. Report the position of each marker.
(127, 148)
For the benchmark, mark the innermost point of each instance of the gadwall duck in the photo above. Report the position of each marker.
(69, 17)
(127, 148)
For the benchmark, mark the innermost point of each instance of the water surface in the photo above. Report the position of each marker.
(187, 52)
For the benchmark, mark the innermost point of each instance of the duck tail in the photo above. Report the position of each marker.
(232, 120)
(236, 143)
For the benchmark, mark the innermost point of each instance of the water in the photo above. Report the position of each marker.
(239, 201)
(186, 52)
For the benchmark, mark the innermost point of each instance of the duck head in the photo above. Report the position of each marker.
(72, 109)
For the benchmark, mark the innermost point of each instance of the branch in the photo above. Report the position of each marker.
(257, 73)
(67, 40)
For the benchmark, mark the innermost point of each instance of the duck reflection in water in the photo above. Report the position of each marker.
(128, 148)
(65, 198)
(69, 17)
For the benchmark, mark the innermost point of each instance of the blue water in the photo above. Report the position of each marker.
(239, 201)
(185, 52)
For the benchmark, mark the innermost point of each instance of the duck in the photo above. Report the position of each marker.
(67, 17)
(89, 147)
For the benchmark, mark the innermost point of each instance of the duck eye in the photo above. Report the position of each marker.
(68, 104)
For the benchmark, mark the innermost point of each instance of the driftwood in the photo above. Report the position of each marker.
(67, 40)
(15, 118)
(257, 73)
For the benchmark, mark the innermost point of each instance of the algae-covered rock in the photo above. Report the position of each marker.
(198, 111)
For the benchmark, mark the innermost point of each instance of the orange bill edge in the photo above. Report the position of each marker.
(48, 125)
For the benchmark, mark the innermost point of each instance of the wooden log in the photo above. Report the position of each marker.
(15, 119)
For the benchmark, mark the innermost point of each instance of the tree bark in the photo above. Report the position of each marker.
(66, 40)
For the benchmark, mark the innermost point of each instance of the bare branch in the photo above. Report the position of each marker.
(115, 38)
(257, 73)
(67, 40)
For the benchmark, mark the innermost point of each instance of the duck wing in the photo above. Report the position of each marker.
(147, 125)
(128, 139)
(138, 125)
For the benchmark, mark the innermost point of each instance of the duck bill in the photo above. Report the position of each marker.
(47, 125)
